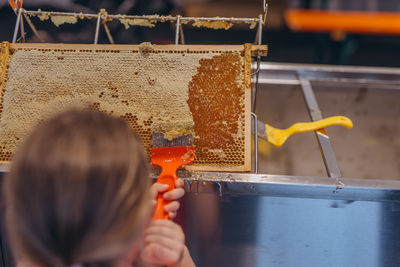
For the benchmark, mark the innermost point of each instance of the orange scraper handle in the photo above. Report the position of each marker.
(343, 21)
(169, 179)
(169, 159)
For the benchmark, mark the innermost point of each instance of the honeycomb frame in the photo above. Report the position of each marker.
(212, 88)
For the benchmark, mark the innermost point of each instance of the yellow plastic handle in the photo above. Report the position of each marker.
(302, 127)
(278, 137)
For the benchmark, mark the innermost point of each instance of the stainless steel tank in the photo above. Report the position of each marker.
(298, 217)
(267, 220)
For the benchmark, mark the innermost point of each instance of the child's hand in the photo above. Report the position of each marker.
(172, 195)
(164, 243)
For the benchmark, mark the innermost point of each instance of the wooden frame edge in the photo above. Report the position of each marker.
(247, 84)
(256, 50)
(4, 60)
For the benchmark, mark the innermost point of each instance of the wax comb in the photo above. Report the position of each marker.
(172, 147)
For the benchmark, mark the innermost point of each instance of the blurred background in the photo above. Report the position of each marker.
(360, 33)
(286, 43)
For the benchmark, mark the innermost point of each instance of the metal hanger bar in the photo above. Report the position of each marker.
(57, 13)
(220, 19)
(259, 30)
(146, 17)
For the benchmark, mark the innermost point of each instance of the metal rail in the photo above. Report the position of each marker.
(328, 155)
(145, 17)
(290, 186)
(284, 185)
(103, 16)
(336, 76)
(14, 39)
(254, 122)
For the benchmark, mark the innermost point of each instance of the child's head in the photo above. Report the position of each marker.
(77, 191)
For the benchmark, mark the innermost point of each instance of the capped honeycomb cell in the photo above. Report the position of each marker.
(206, 85)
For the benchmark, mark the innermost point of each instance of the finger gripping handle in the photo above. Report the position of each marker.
(168, 179)
(160, 213)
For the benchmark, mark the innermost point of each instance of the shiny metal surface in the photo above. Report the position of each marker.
(18, 21)
(331, 165)
(233, 219)
(279, 220)
(251, 220)
(262, 220)
(286, 74)
(254, 130)
(177, 29)
(96, 34)
(367, 95)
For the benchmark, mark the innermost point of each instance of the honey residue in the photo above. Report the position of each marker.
(176, 133)
(187, 155)
(43, 15)
(127, 22)
(59, 20)
(174, 130)
(145, 47)
(216, 25)
(81, 16)
(216, 100)
(253, 24)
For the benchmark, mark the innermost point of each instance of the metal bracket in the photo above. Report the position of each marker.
(17, 23)
(255, 137)
(177, 29)
(258, 41)
(324, 142)
(254, 84)
(96, 34)
(108, 33)
(102, 17)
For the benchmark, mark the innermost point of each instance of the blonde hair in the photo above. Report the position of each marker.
(77, 191)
